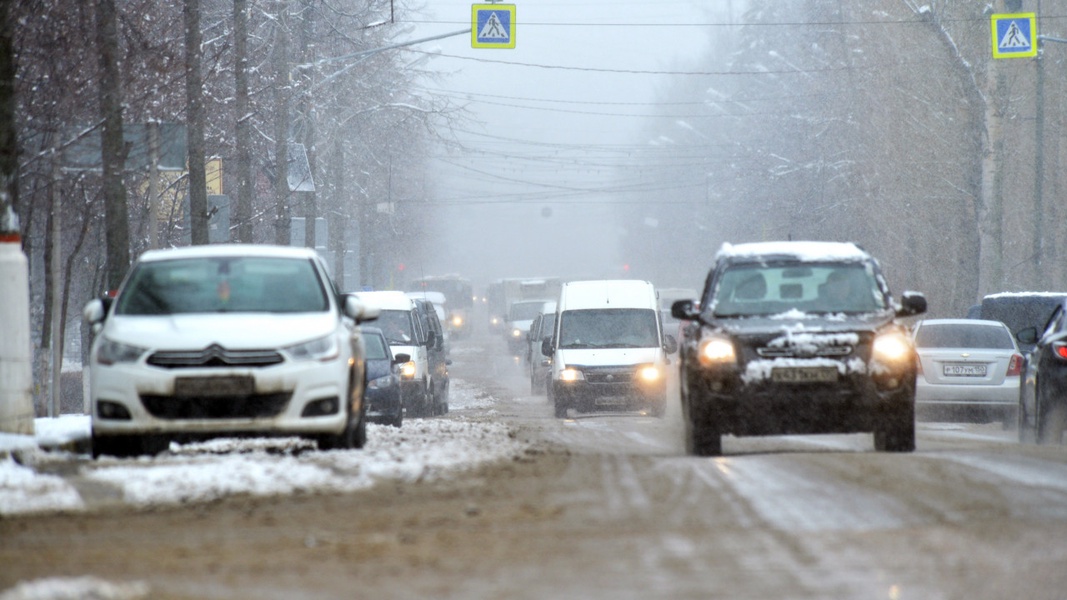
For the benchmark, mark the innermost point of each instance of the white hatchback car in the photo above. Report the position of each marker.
(226, 340)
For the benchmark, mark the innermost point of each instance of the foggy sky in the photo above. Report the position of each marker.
(531, 194)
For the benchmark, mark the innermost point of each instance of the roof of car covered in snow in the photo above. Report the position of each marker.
(207, 250)
(800, 250)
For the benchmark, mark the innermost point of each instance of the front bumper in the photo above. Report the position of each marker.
(855, 403)
(297, 398)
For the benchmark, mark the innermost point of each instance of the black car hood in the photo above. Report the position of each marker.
(378, 367)
(802, 324)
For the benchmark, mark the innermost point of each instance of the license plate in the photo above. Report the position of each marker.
(214, 387)
(804, 374)
(964, 370)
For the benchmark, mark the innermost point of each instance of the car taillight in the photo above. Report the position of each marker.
(1060, 350)
(1015, 365)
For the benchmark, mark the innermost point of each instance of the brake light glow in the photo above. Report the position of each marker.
(1060, 349)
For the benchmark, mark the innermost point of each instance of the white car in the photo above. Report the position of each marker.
(226, 340)
(969, 369)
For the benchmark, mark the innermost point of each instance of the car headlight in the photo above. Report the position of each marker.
(381, 382)
(516, 333)
(717, 351)
(649, 374)
(407, 370)
(324, 348)
(891, 348)
(571, 374)
(111, 352)
(457, 321)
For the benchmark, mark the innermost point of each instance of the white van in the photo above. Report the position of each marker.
(403, 330)
(608, 349)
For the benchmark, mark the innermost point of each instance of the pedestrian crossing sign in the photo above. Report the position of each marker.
(1015, 35)
(492, 26)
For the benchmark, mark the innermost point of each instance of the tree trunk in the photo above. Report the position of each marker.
(281, 127)
(116, 211)
(194, 91)
(243, 136)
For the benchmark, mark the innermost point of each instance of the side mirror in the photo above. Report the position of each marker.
(670, 345)
(546, 346)
(684, 310)
(1027, 336)
(356, 310)
(399, 359)
(911, 303)
(431, 339)
(94, 311)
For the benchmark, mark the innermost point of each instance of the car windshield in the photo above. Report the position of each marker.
(608, 328)
(223, 285)
(375, 348)
(770, 289)
(962, 335)
(396, 325)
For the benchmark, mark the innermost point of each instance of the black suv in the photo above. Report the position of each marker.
(1043, 391)
(797, 338)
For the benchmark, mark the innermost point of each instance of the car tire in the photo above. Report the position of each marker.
(1051, 423)
(558, 405)
(898, 432)
(1027, 433)
(702, 439)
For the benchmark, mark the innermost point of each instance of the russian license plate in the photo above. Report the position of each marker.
(964, 370)
(804, 374)
(214, 387)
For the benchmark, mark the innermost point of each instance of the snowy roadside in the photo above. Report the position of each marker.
(422, 448)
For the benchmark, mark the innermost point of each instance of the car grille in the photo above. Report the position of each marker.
(608, 374)
(806, 351)
(214, 356)
(233, 407)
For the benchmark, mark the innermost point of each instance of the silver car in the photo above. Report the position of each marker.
(969, 370)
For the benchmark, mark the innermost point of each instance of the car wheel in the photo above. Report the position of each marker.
(558, 405)
(1026, 422)
(898, 432)
(1051, 423)
(702, 439)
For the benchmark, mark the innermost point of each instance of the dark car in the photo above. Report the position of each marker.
(1019, 310)
(797, 338)
(382, 388)
(1043, 391)
(437, 353)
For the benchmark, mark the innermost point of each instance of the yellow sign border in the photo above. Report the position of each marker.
(1032, 17)
(510, 8)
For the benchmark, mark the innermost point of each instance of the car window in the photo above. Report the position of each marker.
(397, 327)
(375, 347)
(768, 289)
(946, 335)
(608, 328)
(547, 323)
(223, 285)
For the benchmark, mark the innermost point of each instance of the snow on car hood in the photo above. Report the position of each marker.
(229, 330)
(607, 357)
(797, 323)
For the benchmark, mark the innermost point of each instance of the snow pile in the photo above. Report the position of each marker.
(206, 471)
(76, 588)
